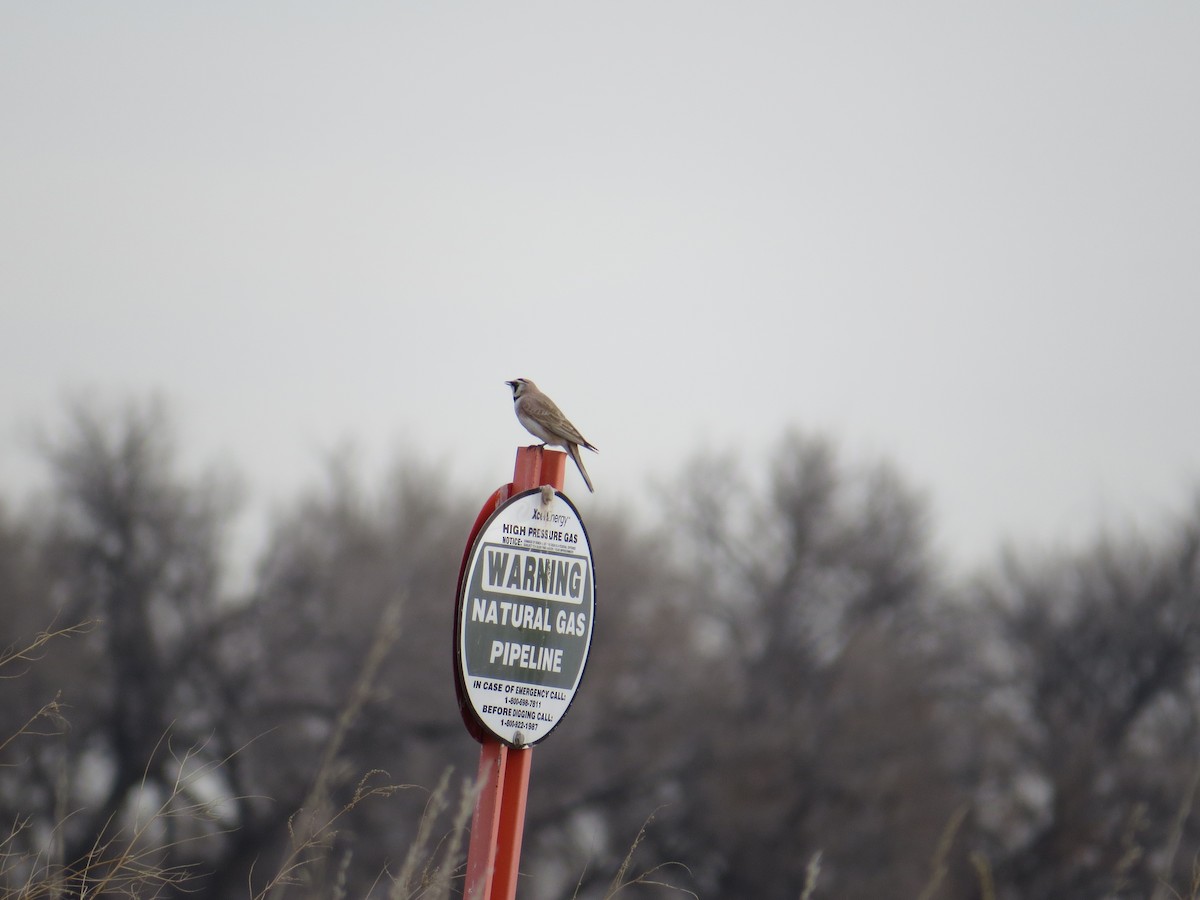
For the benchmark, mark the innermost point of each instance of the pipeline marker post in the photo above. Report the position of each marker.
(523, 622)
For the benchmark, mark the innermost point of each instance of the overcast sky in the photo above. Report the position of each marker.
(963, 237)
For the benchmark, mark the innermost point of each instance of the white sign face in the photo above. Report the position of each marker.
(525, 617)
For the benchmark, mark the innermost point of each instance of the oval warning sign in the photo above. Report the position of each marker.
(524, 617)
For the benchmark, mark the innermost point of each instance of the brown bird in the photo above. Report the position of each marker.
(545, 421)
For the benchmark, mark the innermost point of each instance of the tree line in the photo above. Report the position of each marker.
(787, 695)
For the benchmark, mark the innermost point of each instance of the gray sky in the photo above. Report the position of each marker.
(963, 237)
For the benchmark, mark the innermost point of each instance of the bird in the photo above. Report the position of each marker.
(544, 420)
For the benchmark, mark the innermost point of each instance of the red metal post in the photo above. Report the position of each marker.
(494, 854)
(513, 793)
(485, 826)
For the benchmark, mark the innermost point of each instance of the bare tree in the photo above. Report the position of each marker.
(1095, 710)
(350, 577)
(823, 723)
(203, 743)
(131, 552)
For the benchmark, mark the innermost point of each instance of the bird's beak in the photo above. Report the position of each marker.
(511, 383)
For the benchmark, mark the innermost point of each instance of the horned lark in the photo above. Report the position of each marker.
(545, 421)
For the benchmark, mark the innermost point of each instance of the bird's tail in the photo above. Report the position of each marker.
(573, 449)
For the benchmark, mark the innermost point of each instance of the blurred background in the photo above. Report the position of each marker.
(883, 320)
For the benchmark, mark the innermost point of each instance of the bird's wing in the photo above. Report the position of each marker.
(546, 411)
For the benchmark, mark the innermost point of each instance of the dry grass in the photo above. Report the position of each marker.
(441, 863)
(650, 877)
(124, 860)
(941, 866)
(130, 857)
(812, 872)
(1174, 839)
(313, 827)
